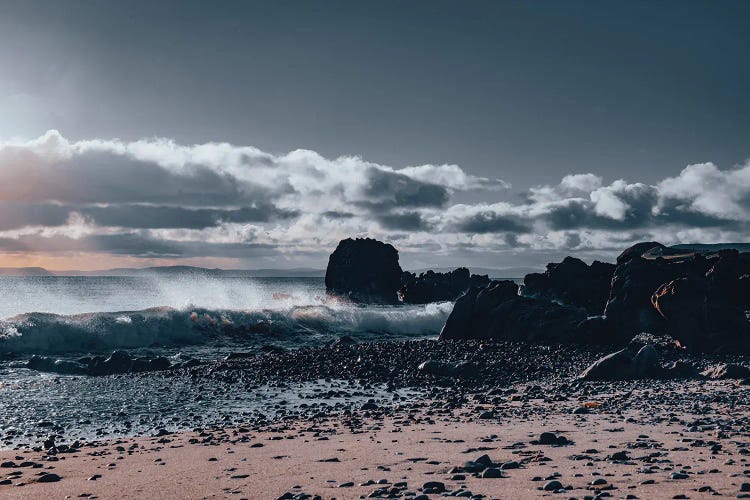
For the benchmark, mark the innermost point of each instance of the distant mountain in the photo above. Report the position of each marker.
(300, 272)
(24, 271)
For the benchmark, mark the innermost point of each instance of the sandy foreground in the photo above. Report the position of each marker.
(325, 457)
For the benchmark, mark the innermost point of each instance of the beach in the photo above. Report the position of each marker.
(541, 432)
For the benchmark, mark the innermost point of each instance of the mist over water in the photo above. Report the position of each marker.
(88, 294)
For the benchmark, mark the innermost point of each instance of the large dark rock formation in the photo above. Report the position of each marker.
(698, 297)
(707, 311)
(437, 287)
(364, 270)
(498, 312)
(574, 283)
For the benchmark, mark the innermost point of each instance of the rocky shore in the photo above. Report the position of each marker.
(625, 380)
(517, 422)
(486, 419)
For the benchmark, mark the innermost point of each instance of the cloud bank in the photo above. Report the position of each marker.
(154, 198)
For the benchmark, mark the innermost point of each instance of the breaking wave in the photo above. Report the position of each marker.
(174, 327)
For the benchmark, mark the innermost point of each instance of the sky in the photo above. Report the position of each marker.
(259, 134)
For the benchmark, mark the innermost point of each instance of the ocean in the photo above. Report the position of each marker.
(181, 317)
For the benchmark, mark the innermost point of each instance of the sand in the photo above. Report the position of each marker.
(319, 458)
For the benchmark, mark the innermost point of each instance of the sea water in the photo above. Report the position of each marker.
(199, 316)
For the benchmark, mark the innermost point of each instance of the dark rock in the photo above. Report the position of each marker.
(698, 310)
(696, 297)
(434, 485)
(364, 270)
(548, 438)
(50, 365)
(629, 309)
(492, 473)
(623, 365)
(551, 439)
(438, 287)
(553, 485)
(48, 478)
(498, 312)
(574, 283)
(464, 369)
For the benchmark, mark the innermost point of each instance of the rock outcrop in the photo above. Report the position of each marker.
(498, 312)
(698, 297)
(364, 270)
(438, 287)
(573, 282)
(629, 308)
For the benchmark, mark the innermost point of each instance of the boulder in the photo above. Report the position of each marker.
(623, 365)
(364, 270)
(498, 312)
(573, 282)
(438, 287)
(615, 366)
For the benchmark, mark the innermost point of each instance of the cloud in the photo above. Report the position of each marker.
(407, 221)
(154, 198)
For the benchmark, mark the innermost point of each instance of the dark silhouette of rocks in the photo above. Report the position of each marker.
(705, 312)
(498, 312)
(438, 287)
(699, 298)
(364, 270)
(573, 282)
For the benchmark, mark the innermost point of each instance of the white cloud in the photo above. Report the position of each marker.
(175, 199)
